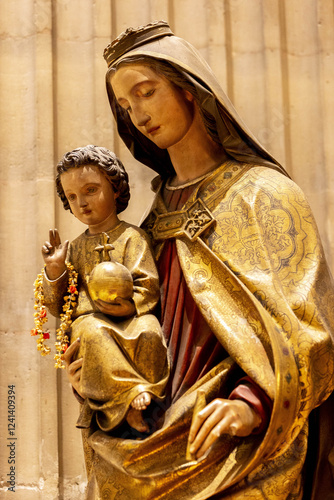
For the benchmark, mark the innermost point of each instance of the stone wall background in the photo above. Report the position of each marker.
(275, 59)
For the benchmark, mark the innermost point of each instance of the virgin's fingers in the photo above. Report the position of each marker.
(74, 366)
(233, 429)
(217, 431)
(71, 351)
(204, 432)
(199, 419)
(76, 377)
(228, 421)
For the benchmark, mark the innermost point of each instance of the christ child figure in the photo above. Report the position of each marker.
(122, 358)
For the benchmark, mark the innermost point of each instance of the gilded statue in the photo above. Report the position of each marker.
(246, 298)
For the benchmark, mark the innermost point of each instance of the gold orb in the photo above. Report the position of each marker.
(110, 280)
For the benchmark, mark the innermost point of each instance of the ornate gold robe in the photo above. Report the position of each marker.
(250, 252)
(121, 358)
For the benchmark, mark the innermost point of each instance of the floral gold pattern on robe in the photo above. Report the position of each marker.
(261, 282)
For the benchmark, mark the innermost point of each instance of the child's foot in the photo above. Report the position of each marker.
(141, 401)
(134, 416)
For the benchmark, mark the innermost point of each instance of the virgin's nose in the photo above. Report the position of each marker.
(140, 117)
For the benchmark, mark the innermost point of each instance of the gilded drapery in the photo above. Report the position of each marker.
(260, 295)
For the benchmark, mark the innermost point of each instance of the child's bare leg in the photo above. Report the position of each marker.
(134, 416)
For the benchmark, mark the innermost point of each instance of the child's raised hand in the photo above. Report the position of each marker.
(54, 255)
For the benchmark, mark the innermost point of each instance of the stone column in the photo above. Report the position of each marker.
(303, 94)
(27, 204)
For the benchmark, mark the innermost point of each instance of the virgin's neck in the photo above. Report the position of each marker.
(190, 163)
(196, 154)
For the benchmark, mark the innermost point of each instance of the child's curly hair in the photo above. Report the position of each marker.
(106, 161)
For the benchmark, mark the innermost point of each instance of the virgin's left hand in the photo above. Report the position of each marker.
(221, 416)
(119, 307)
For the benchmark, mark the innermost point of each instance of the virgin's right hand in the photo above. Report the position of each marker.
(54, 255)
(221, 416)
(73, 368)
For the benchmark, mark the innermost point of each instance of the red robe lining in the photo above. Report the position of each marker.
(193, 347)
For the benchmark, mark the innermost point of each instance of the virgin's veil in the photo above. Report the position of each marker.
(157, 41)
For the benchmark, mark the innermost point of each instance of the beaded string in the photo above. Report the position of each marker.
(40, 316)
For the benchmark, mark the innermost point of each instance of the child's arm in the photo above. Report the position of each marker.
(54, 255)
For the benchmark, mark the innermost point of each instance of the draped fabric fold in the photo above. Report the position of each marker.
(267, 295)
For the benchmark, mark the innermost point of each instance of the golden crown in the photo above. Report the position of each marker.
(134, 37)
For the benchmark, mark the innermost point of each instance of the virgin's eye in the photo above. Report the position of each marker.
(149, 93)
(71, 197)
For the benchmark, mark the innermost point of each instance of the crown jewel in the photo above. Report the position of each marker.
(134, 37)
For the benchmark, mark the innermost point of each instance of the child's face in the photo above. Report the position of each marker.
(91, 197)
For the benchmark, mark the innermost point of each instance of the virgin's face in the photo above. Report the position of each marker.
(157, 108)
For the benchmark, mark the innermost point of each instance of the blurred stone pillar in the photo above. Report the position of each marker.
(303, 92)
(326, 76)
(26, 204)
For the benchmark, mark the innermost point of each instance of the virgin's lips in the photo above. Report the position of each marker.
(152, 129)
